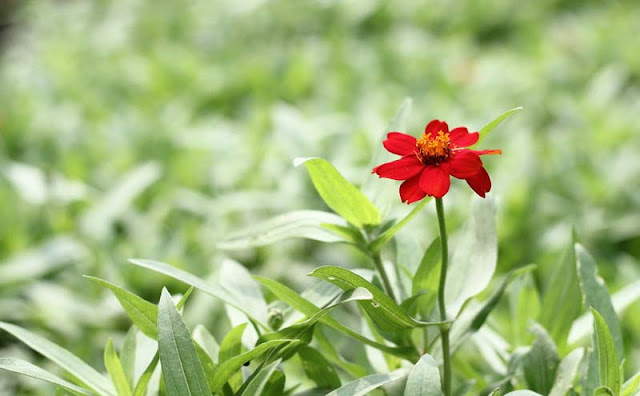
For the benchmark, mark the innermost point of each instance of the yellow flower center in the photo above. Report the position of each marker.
(433, 150)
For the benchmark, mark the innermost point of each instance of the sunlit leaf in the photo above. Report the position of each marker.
(115, 370)
(424, 378)
(28, 369)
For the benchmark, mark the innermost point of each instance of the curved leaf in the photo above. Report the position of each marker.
(608, 370)
(115, 370)
(490, 126)
(25, 368)
(424, 378)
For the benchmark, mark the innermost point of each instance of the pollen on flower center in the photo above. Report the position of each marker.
(433, 150)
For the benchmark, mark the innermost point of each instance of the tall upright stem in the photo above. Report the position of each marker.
(377, 261)
(444, 329)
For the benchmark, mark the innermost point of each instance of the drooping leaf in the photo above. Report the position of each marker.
(340, 195)
(566, 373)
(25, 368)
(424, 378)
(609, 373)
(115, 370)
(309, 224)
(541, 362)
(181, 369)
(318, 368)
(595, 293)
(309, 309)
(212, 288)
(65, 359)
(474, 258)
(490, 126)
(363, 386)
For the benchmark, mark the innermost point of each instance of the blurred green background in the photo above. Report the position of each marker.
(155, 129)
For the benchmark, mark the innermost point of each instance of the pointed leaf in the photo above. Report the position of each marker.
(424, 378)
(183, 374)
(340, 195)
(231, 344)
(607, 356)
(490, 126)
(541, 362)
(115, 370)
(632, 386)
(566, 373)
(25, 368)
(428, 274)
(65, 359)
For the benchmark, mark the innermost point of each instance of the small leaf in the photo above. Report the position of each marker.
(566, 373)
(259, 380)
(28, 369)
(115, 370)
(490, 126)
(364, 385)
(424, 378)
(181, 369)
(340, 195)
(632, 386)
(380, 241)
(65, 359)
(607, 357)
(128, 355)
(231, 344)
(309, 224)
(541, 362)
(318, 368)
(212, 288)
(309, 309)
(428, 274)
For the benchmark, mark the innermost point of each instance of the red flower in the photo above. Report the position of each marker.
(427, 162)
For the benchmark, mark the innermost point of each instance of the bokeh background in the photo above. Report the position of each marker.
(154, 129)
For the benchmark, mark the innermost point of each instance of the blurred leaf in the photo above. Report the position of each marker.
(603, 391)
(309, 224)
(340, 195)
(632, 386)
(607, 357)
(275, 385)
(566, 373)
(231, 344)
(309, 309)
(596, 294)
(238, 281)
(563, 286)
(380, 241)
(524, 307)
(115, 370)
(205, 339)
(25, 368)
(329, 349)
(523, 393)
(128, 355)
(181, 369)
(318, 368)
(259, 380)
(65, 359)
(143, 381)
(225, 370)
(207, 362)
(541, 362)
(363, 386)
(490, 126)
(214, 289)
(424, 378)
(474, 258)
(427, 275)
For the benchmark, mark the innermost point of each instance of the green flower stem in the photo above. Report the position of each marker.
(444, 330)
(377, 261)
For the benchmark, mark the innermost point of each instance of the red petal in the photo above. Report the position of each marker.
(436, 126)
(410, 190)
(485, 152)
(400, 143)
(401, 169)
(480, 183)
(464, 164)
(462, 138)
(435, 181)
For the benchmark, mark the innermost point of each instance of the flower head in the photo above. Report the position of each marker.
(427, 162)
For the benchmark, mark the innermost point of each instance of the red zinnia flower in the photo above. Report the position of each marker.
(427, 162)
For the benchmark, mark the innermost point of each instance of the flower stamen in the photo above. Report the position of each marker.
(432, 150)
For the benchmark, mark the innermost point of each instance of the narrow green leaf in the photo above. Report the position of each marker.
(258, 381)
(340, 195)
(212, 288)
(231, 344)
(595, 293)
(25, 368)
(143, 381)
(562, 287)
(128, 355)
(382, 307)
(424, 378)
(380, 241)
(607, 356)
(309, 224)
(275, 385)
(318, 368)
(181, 368)
(363, 386)
(141, 312)
(225, 370)
(428, 274)
(65, 359)
(115, 370)
(632, 386)
(566, 373)
(306, 307)
(474, 257)
(541, 362)
(490, 126)
(329, 349)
